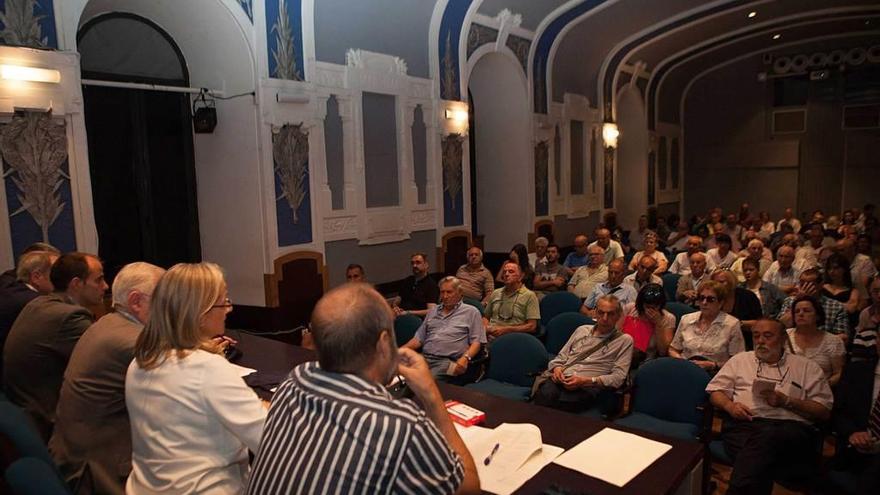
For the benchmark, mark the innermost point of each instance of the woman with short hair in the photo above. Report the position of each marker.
(809, 340)
(709, 337)
(650, 326)
(193, 419)
(651, 251)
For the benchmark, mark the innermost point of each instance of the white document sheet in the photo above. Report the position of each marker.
(242, 371)
(613, 456)
(519, 457)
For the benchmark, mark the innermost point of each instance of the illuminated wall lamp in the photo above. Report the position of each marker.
(610, 133)
(32, 74)
(457, 114)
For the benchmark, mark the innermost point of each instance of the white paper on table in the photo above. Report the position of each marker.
(612, 455)
(520, 455)
(242, 371)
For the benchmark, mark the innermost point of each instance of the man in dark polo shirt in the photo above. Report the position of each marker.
(418, 292)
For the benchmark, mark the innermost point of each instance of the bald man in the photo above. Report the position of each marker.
(682, 263)
(612, 248)
(860, 266)
(578, 257)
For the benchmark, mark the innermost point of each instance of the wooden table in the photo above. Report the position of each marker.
(676, 472)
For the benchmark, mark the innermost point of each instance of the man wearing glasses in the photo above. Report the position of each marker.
(512, 308)
(588, 276)
(771, 399)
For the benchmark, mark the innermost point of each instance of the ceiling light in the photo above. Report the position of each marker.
(22, 73)
(777, 36)
(752, 14)
(457, 114)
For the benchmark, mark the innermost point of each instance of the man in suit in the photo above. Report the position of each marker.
(42, 337)
(91, 442)
(32, 279)
(9, 277)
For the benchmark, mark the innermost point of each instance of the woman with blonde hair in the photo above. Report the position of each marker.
(193, 419)
(740, 303)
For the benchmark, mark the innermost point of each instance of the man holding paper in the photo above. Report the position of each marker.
(595, 357)
(772, 399)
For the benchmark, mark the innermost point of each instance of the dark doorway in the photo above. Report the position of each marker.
(140, 144)
(143, 177)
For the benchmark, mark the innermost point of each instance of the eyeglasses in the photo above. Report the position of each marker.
(226, 304)
(708, 299)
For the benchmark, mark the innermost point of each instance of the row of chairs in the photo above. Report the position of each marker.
(27, 467)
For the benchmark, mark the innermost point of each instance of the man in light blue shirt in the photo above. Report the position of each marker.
(624, 293)
(450, 336)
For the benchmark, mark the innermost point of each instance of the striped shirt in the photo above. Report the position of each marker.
(338, 433)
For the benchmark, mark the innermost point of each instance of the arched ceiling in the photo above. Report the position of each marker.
(601, 41)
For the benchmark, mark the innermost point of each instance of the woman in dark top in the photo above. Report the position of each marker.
(739, 303)
(839, 286)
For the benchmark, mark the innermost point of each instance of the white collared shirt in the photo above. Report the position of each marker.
(722, 340)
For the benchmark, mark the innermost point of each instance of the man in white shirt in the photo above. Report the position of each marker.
(682, 263)
(644, 274)
(782, 272)
(756, 252)
(772, 398)
(612, 248)
(637, 237)
(861, 268)
(686, 291)
(678, 239)
(586, 277)
(721, 256)
(540, 254)
(788, 217)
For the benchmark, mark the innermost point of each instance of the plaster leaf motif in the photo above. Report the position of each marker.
(290, 150)
(452, 151)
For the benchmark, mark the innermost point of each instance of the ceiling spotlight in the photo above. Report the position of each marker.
(752, 14)
(777, 36)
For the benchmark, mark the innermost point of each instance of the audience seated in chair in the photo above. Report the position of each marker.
(677, 241)
(651, 251)
(451, 336)
(512, 308)
(44, 334)
(808, 340)
(681, 265)
(740, 303)
(31, 280)
(403, 447)
(709, 337)
(638, 236)
(579, 256)
(476, 280)
(721, 256)
(595, 357)
(355, 273)
(644, 274)
(861, 267)
(783, 273)
(686, 290)
(774, 430)
(836, 321)
(519, 256)
(539, 257)
(193, 419)
(755, 252)
(649, 324)
(770, 297)
(418, 292)
(550, 276)
(91, 442)
(586, 277)
(612, 248)
(625, 293)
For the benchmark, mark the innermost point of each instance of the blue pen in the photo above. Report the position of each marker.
(488, 458)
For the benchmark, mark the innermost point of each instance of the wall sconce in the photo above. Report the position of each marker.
(610, 133)
(459, 115)
(32, 74)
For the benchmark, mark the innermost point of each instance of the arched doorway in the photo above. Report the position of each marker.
(140, 143)
(632, 153)
(502, 156)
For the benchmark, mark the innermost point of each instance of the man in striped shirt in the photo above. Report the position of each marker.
(333, 427)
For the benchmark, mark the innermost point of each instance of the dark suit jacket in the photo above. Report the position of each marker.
(91, 425)
(13, 298)
(852, 403)
(36, 354)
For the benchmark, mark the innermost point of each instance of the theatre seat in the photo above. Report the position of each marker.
(670, 285)
(556, 303)
(16, 427)
(32, 476)
(514, 361)
(405, 327)
(668, 397)
(474, 303)
(561, 327)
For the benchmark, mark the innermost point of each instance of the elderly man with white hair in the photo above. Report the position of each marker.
(682, 263)
(540, 254)
(451, 336)
(92, 433)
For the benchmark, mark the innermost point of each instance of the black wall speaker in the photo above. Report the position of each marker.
(204, 120)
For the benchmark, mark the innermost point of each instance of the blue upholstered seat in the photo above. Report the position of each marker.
(556, 303)
(405, 327)
(561, 327)
(32, 476)
(679, 309)
(641, 421)
(17, 427)
(670, 285)
(514, 361)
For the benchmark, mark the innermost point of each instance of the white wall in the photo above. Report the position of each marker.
(504, 156)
